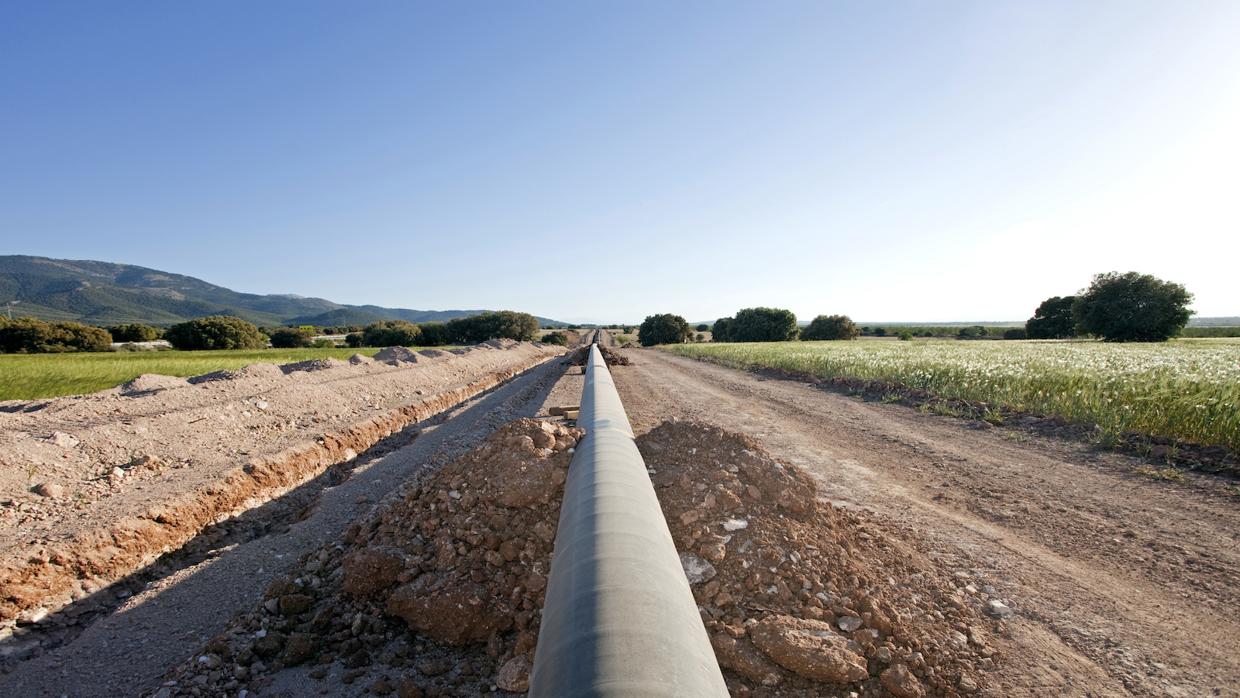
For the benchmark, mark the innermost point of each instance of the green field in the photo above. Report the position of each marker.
(1185, 389)
(29, 376)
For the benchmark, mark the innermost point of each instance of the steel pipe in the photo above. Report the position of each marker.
(619, 618)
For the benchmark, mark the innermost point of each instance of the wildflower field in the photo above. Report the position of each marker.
(1184, 389)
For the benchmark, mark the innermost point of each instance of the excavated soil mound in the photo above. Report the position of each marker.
(796, 593)
(410, 598)
(440, 591)
(579, 357)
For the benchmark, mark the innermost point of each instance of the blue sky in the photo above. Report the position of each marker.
(924, 161)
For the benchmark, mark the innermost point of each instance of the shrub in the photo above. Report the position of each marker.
(31, 336)
(1014, 333)
(134, 332)
(763, 325)
(354, 339)
(1132, 307)
(830, 327)
(434, 334)
(702, 327)
(906, 336)
(323, 343)
(972, 332)
(880, 331)
(1053, 319)
(699, 337)
(663, 329)
(721, 331)
(555, 338)
(391, 333)
(502, 324)
(216, 332)
(291, 338)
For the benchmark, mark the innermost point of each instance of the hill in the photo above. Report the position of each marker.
(105, 293)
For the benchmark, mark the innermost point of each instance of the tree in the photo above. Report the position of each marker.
(133, 332)
(216, 332)
(721, 331)
(1132, 307)
(1015, 333)
(763, 325)
(391, 333)
(830, 327)
(663, 329)
(291, 338)
(502, 324)
(972, 332)
(434, 334)
(1053, 319)
(555, 338)
(702, 327)
(30, 336)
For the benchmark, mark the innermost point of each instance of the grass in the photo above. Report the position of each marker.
(1186, 389)
(29, 376)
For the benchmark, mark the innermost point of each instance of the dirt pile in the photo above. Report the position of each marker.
(796, 593)
(410, 598)
(613, 358)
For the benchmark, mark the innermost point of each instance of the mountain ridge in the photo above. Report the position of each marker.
(107, 293)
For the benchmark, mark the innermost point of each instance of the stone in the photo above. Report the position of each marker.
(848, 623)
(433, 667)
(408, 688)
(299, 648)
(63, 440)
(371, 570)
(268, 645)
(735, 524)
(514, 676)
(292, 604)
(739, 655)
(809, 648)
(447, 610)
(998, 609)
(49, 489)
(696, 569)
(901, 682)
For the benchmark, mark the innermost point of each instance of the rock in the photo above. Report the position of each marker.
(49, 489)
(371, 570)
(901, 682)
(735, 524)
(63, 440)
(117, 474)
(268, 645)
(447, 610)
(382, 687)
(292, 604)
(696, 569)
(514, 676)
(998, 609)
(31, 616)
(849, 623)
(300, 648)
(408, 688)
(433, 667)
(739, 655)
(357, 359)
(967, 685)
(809, 648)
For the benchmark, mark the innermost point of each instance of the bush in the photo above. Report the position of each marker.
(830, 327)
(323, 343)
(434, 334)
(763, 325)
(134, 332)
(699, 337)
(702, 327)
(663, 329)
(354, 339)
(1053, 319)
(906, 336)
(1132, 307)
(972, 332)
(880, 331)
(31, 336)
(291, 338)
(391, 333)
(1014, 333)
(555, 338)
(721, 331)
(502, 324)
(216, 332)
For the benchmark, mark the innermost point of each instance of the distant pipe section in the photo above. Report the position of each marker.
(619, 618)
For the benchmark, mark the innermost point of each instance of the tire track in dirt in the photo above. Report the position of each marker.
(1095, 560)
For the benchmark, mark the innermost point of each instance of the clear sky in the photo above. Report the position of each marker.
(603, 161)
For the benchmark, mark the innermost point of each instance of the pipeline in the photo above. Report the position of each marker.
(619, 618)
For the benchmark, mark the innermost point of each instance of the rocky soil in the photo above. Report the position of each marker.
(440, 593)
(94, 487)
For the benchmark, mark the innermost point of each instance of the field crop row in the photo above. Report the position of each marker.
(30, 376)
(1185, 389)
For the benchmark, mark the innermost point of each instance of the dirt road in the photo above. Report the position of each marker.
(1122, 585)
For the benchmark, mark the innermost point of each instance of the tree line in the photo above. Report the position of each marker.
(1115, 307)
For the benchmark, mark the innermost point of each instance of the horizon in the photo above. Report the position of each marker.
(928, 163)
